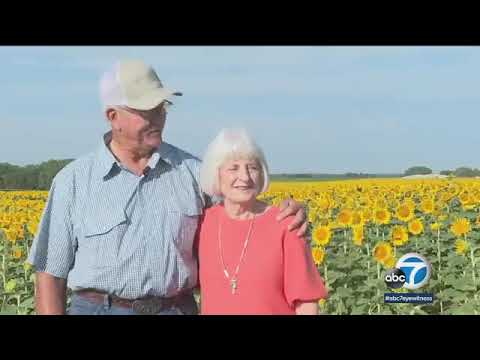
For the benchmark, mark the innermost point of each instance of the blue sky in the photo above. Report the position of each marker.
(312, 109)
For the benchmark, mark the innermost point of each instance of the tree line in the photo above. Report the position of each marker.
(39, 177)
(30, 177)
(458, 172)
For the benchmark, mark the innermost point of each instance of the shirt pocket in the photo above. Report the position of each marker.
(105, 236)
(182, 222)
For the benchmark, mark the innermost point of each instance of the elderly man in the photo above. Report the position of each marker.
(120, 222)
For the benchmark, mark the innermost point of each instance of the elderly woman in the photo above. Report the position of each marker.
(249, 263)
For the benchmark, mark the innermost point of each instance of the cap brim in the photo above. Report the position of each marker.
(153, 99)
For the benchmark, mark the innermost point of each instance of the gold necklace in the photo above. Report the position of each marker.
(233, 280)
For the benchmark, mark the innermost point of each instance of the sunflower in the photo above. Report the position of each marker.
(318, 254)
(435, 226)
(461, 247)
(350, 203)
(469, 204)
(390, 262)
(312, 215)
(27, 266)
(367, 215)
(445, 197)
(399, 235)
(411, 203)
(10, 286)
(11, 235)
(476, 197)
(394, 203)
(415, 227)
(358, 235)
(321, 235)
(464, 197)
(404, 212)
(17, 253)
(381, 204)
(345, 217)
(460, 227)
(324, 204)
(382, 216)
(427, 206)
(357, 218)
(382, 251)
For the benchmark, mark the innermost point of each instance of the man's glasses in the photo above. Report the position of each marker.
(153, 113)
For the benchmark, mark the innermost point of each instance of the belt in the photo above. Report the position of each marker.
(145, 305)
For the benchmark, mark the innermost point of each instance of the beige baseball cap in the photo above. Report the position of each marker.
(134, 84)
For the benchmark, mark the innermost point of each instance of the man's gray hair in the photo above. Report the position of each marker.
(230, 144)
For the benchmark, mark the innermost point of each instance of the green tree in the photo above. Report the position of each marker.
(30, 177)
(465, 172)
(418, 170)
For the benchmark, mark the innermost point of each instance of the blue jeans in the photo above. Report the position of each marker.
(81, 306)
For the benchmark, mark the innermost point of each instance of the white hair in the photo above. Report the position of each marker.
(230, 144)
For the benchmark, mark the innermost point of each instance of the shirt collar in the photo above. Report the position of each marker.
(106, 161)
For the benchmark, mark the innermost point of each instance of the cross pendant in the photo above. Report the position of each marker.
(233, 284)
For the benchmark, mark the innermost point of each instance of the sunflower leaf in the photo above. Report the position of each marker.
(9, 310)
(343, 292)
(359, 310)
(465, 309)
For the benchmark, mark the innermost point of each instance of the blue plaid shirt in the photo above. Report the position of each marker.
(105, 228)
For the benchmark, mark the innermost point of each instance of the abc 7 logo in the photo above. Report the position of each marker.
(395, 278)
(412, 271)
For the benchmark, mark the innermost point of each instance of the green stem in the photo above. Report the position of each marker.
(4, 278)
(325, 269)
(378, 304)
(473, 266)
(439, 255)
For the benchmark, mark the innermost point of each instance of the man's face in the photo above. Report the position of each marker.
(140, 128)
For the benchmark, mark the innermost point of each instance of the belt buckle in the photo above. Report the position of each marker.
(148, 306)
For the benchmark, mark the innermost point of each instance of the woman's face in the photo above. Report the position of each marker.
(240, 180)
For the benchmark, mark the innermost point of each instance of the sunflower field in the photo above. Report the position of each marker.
(358, 229)
(20, 213)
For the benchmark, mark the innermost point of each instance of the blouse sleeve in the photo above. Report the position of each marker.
(302, 281)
